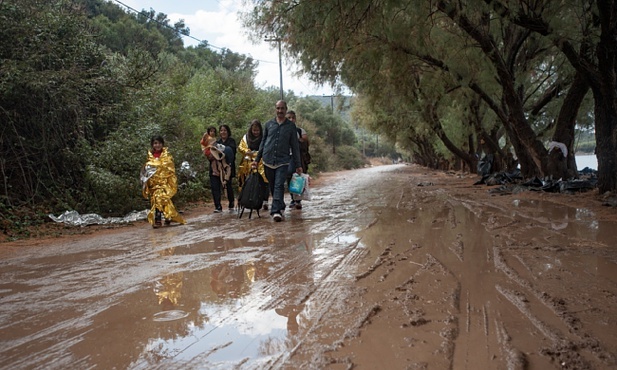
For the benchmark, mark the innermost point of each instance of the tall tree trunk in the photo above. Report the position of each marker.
(605, 98)
(433, 118)
(558, 165)
(606, 142)
(531, 153)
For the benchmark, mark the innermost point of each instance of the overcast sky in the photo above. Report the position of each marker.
(217, 22)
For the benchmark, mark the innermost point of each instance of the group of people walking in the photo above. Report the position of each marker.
(275, 151)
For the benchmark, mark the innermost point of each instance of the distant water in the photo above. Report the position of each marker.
(583, 161)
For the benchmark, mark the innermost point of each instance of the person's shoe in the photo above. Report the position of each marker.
(292, 205)
(167, 222)
(157, 219)
(298, 205)
(265, 206)
(277, 217)
(218, 210)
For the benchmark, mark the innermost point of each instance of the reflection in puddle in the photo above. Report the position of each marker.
(291, 313)
(243, 337)
(170, 315)
(232, 325)
(579, 222)
(346, 238)
(234, 320)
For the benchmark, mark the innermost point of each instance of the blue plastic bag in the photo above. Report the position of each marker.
(296, 185)
(306, 193)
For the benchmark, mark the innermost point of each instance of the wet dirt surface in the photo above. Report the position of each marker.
(386, 267)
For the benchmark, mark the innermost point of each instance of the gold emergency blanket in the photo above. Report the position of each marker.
(248, 156)
(160, 185)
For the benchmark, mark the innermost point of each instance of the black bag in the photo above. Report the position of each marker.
(485, 165)
(251, 196)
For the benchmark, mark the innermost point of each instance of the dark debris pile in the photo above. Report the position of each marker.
(513, 182)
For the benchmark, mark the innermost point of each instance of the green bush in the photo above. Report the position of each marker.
(348, 157)
(112, 176)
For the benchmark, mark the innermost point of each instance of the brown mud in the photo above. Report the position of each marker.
(394, 267)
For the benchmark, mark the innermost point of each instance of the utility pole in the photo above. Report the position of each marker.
(277, 39)
(332, 112)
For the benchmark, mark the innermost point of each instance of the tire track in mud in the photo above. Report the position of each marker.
(480, 325)
(564, 352)
(331, 291)
(471, 303)
(327, 296)
(565, 345)
(405, 310)
(436, 315)
(514, 358)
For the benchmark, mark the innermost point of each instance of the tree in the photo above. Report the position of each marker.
(53, 94)
(487, 48)
(591, 48)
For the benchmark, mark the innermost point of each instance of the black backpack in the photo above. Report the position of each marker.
(251, 196)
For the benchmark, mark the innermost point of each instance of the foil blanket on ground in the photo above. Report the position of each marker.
(73, 218)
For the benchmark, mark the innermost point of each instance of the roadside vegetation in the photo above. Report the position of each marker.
(85, 84)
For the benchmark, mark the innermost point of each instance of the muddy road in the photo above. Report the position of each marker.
(388, 267)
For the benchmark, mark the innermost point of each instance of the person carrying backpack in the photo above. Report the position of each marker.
(248, 148)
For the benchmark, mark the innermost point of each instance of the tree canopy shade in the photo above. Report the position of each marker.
(503, 76)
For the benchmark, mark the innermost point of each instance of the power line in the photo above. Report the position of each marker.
(205, 42)
(224, 6)
(167, 26)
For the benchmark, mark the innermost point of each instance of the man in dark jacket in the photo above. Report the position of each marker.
(280, 136)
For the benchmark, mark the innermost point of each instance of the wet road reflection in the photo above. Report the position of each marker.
(222, 292)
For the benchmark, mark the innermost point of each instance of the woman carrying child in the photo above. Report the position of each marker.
(249, 146)
(159, 183)
(221, 153)
(230, 148)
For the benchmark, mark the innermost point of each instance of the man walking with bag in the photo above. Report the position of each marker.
(280, 136)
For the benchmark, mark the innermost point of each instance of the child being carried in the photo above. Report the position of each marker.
(216, 155)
